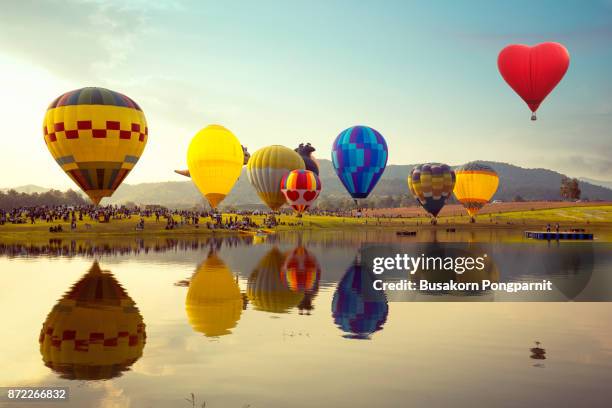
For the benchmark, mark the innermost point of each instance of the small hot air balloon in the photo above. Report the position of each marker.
(265, 288)
(97, 136)
(301, 271)
(475, 186)
(94, 332)
(357, 308)
(301, 188)
(533, 72)
(431, 184)
(214, 302)
(305, 151)
(215, 159)
(266, 168)
(359, 156)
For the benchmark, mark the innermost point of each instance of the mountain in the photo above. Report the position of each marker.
(600, 183)
(530, 184)
(28, 189)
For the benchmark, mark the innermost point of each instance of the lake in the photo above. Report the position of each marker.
(291, 321)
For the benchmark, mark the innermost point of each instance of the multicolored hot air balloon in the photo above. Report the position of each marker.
(357, 308)
(475, 186)
(214, 302)
(359, 156)
(533, 72)
(94, 332)
(266, 168)
(431, 184)
(301, 188)
(301, 271)
(265, 288)
(215, 159)
(97, 136)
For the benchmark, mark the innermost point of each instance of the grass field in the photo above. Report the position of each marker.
(532, 215)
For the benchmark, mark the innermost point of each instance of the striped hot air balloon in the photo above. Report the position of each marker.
(475, 186)
(214, 302)
(95, 331)
(265, 170)
(301, 271)
(431, 184)
(265, 288)
(97, 136)
(359, 156)
(301, 188)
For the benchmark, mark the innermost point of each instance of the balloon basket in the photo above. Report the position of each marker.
(533, 116)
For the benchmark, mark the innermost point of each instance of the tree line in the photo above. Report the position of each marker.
(12, 199)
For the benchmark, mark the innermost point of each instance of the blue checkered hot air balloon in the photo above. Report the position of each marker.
(357, 308)
(359, 156)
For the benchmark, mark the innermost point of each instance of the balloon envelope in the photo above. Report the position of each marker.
(300, 188)
(357, 308)
(95, 330)
(533, 72)
(359, 156)
(214, 302)
(266, 168)
(431, 185)
(475, 186)
(301, 271)
(215, 158)
(97, 136)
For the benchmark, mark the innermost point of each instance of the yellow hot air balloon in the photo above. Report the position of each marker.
(265, 288)
(95, 331)
(475, 185)
(97, 136)
(266, 168)
(215, 158)
(214, 302)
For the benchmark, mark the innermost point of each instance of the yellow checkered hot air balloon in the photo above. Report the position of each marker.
(97, 136)
(265, 288)
(215, 158)
(475, 185)
(266, 168)
(214, 302)
(95, 331)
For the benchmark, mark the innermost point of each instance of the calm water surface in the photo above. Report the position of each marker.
(289, 322)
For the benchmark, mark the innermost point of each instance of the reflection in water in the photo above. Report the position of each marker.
(537, 352)
(570, 266)
(94, 332)
(436, 274)
(265, 288)
(301, 273)
(357, 308)
(214, 302)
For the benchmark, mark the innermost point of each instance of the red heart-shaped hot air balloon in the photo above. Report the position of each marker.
(533, 72)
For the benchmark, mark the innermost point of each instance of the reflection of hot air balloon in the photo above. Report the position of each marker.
(357, 308)
(301, 188)
(305, 151)
(431, 185)
(266, 168)
(95, 331)
(475, 186)
(214, 302)
(215, 160)
(533, 72)
(359, 156)
(96, 136)
(301, 271)
(266, 290)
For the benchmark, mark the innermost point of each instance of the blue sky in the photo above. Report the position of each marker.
(423, 73)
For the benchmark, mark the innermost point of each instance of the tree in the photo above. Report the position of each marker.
(570, 188)
(518, 199)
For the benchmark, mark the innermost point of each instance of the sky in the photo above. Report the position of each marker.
(424, 74)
